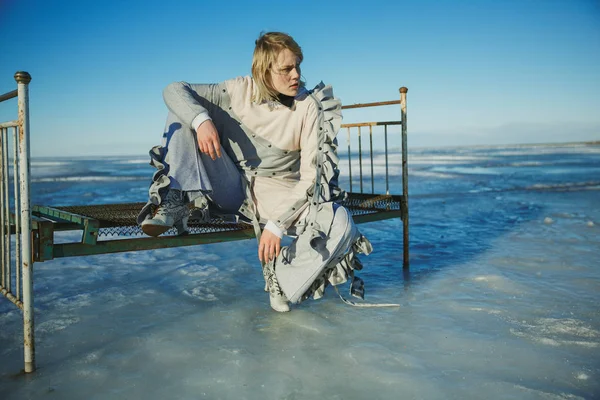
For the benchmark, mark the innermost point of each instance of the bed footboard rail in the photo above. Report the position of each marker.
(16, 234)
(359, 180)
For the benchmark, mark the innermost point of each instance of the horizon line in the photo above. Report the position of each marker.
(580, 143)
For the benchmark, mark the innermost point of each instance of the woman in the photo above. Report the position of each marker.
(262, 147)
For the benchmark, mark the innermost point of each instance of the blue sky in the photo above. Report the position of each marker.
(478, 72)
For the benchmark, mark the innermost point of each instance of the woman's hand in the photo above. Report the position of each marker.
(269, 246)
(208, 139)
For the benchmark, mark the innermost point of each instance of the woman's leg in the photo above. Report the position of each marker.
(184, 165)
(300, 264)
(196, 173)
(188, 175)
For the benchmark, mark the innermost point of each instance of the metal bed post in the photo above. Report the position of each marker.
(387, 174)
(371, 154)
(23, 79)
(3, 233)
(403, 91)
(17, 220)
(360, 159)
(349, 161)
(5, 213)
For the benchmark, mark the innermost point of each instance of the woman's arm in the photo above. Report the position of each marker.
(191, 103)
(269, 246)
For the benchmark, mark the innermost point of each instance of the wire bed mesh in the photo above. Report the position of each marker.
(120, 219)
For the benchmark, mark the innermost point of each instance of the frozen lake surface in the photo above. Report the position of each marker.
(502, 300)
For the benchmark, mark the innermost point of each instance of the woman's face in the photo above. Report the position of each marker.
(285, 74)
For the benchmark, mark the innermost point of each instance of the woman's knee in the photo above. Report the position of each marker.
(176, 134)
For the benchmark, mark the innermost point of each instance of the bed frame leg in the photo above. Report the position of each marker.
(405, 264)
(23, 79)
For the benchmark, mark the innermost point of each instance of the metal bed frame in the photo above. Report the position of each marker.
(29, 230)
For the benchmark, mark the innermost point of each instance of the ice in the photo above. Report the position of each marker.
(557, 332)
(40, 163)
(84, 179)
(498, 303)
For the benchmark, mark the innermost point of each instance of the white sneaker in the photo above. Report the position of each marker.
(279, 302)
(172, 212)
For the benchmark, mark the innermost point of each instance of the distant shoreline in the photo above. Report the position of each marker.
(395, 148)
(548, 144)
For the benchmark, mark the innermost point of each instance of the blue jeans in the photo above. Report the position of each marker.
(196, 173)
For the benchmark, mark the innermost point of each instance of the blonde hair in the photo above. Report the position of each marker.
(268, 46)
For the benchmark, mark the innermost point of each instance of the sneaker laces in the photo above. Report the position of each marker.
(173, 200)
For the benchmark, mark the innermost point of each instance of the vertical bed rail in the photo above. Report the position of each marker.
(19, 221)
(403, 91)
(404, 151)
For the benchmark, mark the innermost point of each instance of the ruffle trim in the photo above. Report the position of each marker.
(326, 184)
(160, 181)
(331, 123)
(342, 271)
